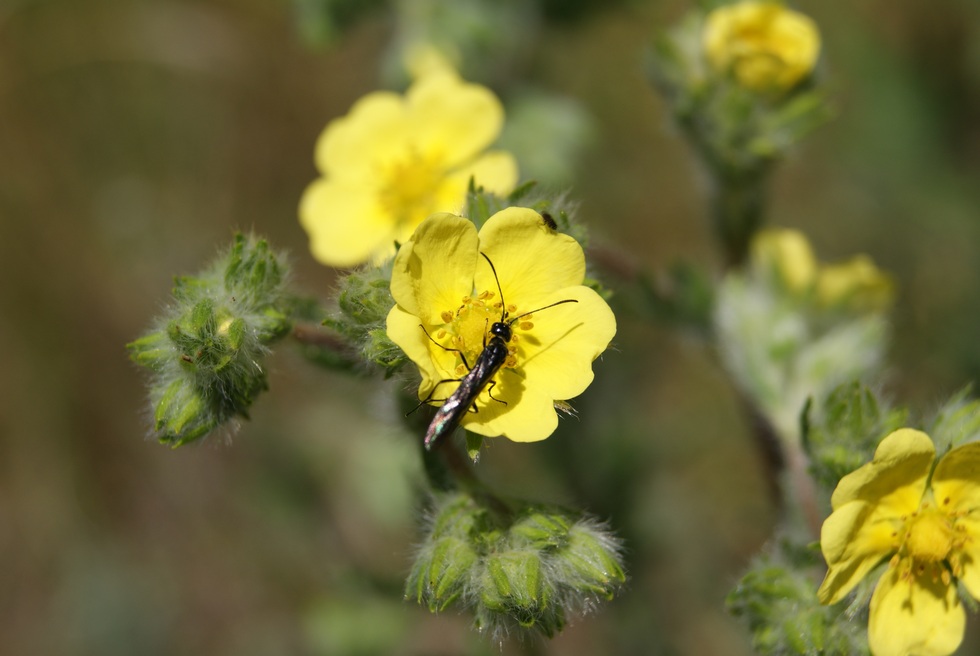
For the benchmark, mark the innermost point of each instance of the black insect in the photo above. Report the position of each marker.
(549, 220)
(481, 374)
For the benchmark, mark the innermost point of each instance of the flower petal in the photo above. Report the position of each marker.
(405, 330)
(867, 503)
(895, 479)
(372, 135)
(956, 481)
(531, 259)
(495, 171)
(921, 617)
(969, 554)
(345, 224)
(956, 487)
(787, 254)
(434, 269)
(452, 119)
(528, 416)
(556, 355)
(853, 544)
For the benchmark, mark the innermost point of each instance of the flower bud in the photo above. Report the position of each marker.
(763, 45)
(787, 256)
(857, 283)
(181, 414)
(593, 560)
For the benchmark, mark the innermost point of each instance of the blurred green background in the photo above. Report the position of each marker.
(136, 135)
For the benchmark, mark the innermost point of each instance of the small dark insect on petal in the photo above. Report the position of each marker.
(549, 220)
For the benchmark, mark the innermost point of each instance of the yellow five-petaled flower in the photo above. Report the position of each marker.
(764, 45)
(447, 300)
(923, 519)
(393, 161)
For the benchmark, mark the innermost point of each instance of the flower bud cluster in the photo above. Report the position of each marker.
(778, 602)
(364, 300)
(206, 353)
(841, 433)
(528, 567)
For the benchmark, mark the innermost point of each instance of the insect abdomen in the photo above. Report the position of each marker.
(451, 412)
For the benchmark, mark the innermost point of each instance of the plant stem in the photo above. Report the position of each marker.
(737, 204)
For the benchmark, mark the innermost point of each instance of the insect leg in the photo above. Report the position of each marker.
(446, 348)
(473, 407)
(429, 398)
(490, 387)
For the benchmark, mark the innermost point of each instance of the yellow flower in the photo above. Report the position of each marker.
(423, 58)
(857, 282)
(393, 160)
(787, 256)
(925, 522)
(763, 44)
(786, 253)
(447, 298)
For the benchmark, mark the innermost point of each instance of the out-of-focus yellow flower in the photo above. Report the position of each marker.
(394, 160)
(924, 520)
(857, 283)
(447, 300)
(786, 253)
(763, 44)
(422, 58)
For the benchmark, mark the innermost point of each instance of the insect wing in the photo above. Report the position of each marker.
(451, 413)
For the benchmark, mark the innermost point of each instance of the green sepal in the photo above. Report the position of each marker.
(474, 442)
(153, 350)
(181, 415)
(543, 530)
(956, 422)
(236, 333)
(202, 322)
(271, 324)
(597, 565)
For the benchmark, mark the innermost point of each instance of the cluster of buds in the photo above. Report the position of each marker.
(777, 601)
(206, 353)
(840, 434)
(515, 566)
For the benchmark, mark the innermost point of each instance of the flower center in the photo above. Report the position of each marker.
(467, 328)
(930, 536)
(409, 186)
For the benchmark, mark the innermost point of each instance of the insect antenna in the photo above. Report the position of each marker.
(519, 316)
(503, 311)
(503, 305)
(446, 348)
